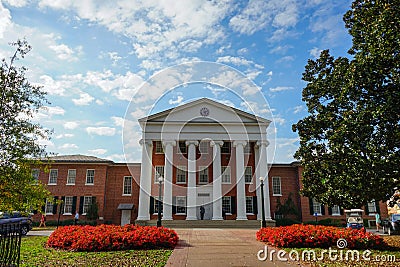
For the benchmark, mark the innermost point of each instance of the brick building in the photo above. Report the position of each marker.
(202, 153)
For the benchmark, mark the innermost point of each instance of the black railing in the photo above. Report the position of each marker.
(10, 244)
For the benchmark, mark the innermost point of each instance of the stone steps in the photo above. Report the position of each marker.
(249, 224)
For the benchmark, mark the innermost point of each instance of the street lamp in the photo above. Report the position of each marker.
(263, 222)
(160, 180)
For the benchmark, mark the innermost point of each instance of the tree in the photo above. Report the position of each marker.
(19, 137)
(350, 141)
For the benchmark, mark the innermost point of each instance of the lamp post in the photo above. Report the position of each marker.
(160, 180)
(263, 222)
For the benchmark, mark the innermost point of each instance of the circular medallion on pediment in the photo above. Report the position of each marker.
(204, 111)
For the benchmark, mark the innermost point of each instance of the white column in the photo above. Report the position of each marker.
(240, 183)
(217, 183)
(191, 186)
(257, 172)
(145, 180)
(167, 198)
(264, 173)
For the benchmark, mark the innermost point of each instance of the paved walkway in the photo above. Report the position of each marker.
(218, 247)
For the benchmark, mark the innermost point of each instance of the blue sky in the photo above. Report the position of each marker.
(93, 57)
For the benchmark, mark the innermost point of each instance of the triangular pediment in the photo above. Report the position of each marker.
(203, 110)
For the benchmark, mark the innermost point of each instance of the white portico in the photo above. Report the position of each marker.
(209, 155)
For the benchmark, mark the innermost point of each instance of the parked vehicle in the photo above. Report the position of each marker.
(16, 218)
(354, 218)
(392, 224)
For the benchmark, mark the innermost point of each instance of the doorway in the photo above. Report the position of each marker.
(204, 200)
(125, 217)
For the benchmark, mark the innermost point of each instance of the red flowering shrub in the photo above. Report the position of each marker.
(111, 237)
(312, 236)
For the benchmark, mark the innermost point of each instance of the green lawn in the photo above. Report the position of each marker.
(34, 253)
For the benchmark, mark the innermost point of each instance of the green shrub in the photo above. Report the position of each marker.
(286, 222)
(326, 222)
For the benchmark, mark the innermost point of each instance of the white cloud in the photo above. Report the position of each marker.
(83, 100)
(259, 14)
(68, 146)
(5, 20)
(60, 136)
(98, 151)
(315, 52)
(178, 100)
(47, 112)
(64, 52)
(298, 109)
(70, 125)
(104, 131)
(285, 59)
(279, 120)
(118, 121)
(281, 88)
(17, 3)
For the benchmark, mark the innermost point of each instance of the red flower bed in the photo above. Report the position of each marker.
(312, 236)
(112, 237)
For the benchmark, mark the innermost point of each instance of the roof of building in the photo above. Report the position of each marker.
(79, 158)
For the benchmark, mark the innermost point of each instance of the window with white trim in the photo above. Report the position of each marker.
(249, 205)
(226, 174)
(182, 147)
(248, 174)
(71, 177)
(181, 174)
(226, 147)
(203, 175)
(336, 210)
(89, 176)
(159, 147)
(127, 186)
(226, 204)
(156, 204)
(203, 147)
(68, 205)
(316, 207)
(181, 205)
(87, 201)
(159, 172)
(372, 207)
(53, 175)
(49, 207)
(276, 186)
(35, 175)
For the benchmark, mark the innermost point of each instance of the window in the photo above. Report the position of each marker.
(49, 207)
(203, 175)
(204, 145)
(159, 147)
(248, 175)
(276, 186)
(371, 207)
(35, 175)
(316, 207)
(156, 205)
(181, 174)
(71, 177)
(249, 205)
(159, 173)
(226, 204)
(127, 186)
(180, 205)
(53, 176)
(68, 205)
(336, 210)
(182, 147)
(89, 176)
(226, 174)
(247, 148)
(87, 201)
(226, 147)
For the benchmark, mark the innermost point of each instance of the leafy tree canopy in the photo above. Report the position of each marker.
(349, 142)
(19, 137)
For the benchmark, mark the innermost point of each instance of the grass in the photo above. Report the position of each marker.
(34, 253)
(377, 257)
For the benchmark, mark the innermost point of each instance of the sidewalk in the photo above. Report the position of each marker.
(218, 247)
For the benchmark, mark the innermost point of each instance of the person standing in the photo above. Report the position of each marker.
(43, 221)
(76, 219)
(202, 211)
(377, 221)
